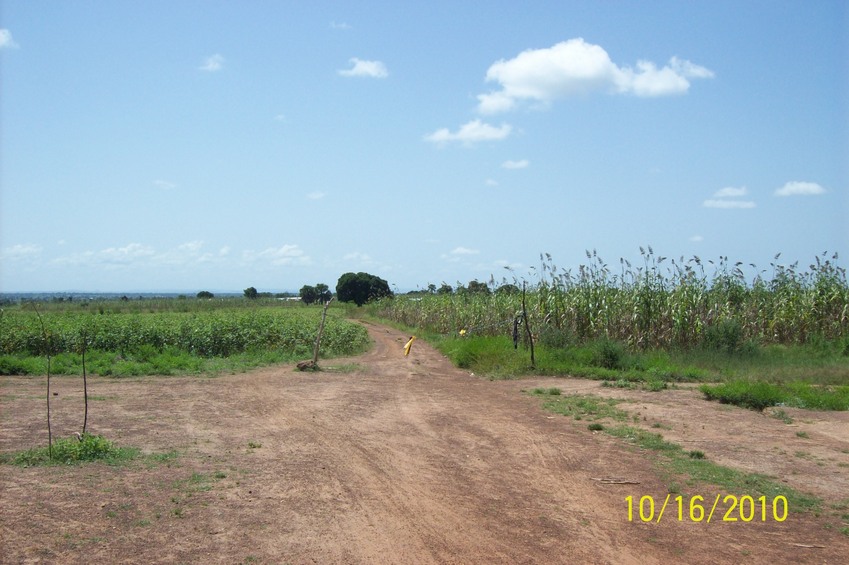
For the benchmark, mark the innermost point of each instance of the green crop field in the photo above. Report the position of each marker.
(658, 322)
(167, 336)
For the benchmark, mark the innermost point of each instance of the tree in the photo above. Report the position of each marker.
(475, 286)
(308, 294)
(251, 293)
(324, 293)
(445, 289)
(205, 294)
(361, 287)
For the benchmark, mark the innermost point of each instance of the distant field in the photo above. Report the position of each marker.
(167, 336)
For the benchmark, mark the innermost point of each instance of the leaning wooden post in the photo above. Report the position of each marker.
(320, 331)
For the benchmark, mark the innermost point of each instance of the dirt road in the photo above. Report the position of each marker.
(393, 460)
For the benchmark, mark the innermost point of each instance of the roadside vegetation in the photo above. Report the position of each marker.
(664, 321)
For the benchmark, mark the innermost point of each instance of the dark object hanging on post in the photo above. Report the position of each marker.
(516, 321)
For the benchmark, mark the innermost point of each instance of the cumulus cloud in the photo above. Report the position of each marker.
(515, 164)
(360, 68)
(576, 67)
(6, 40)
(800, 188)
(212, 63)
(729, 197)
(471, 132)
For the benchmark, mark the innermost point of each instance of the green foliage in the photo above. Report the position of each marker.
(360, 288)
(168, 342)
(205, 295)
(69, 451)
(670, 304)
(759, 395)
(251, 293)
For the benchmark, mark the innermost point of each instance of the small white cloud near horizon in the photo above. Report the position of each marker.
(212, 63)
(456, 254)
(21, 251)
(361, 68)
(317, 195)
(164, 184)
(575, 67)
(339, 25)
(731, 192)
(697, 239)
(726, 198)
(728, 204)
(288, 254)
(509, 164)
(470, 133)
(7, 41)
(800, 188)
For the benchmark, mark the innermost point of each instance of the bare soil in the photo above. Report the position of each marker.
(396, 460)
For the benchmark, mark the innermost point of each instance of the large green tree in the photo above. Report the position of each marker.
(361, 287)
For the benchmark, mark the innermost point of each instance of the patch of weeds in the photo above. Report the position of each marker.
(696, 454)
(803, 435)
(782, 415)
(254, 445)
(655, 385)
(701, 470)
(71, 451)
(619, 383)
(758, 395)
(595, 427)
(582, 406)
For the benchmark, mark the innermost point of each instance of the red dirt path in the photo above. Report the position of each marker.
(396, 460)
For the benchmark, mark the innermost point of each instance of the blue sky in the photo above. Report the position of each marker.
(186, 146)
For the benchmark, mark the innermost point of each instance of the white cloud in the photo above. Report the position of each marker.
(576, 67)
(471, 132)
(164, 184)
(360, 68)
(697, 239)
(21, 252)
(799, 188)
(213, 63)
(6, 40)
(515, 164)
(317, 195)
(358, 256)
(126, 254)
(730, 192)
(339, 25)
(285, 255)
(280, 118)
(491, 182)
(728, 198)
(728, 204)
(458, 253)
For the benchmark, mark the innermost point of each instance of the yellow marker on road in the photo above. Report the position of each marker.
(409, 345)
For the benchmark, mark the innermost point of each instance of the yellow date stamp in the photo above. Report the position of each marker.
(698, 509)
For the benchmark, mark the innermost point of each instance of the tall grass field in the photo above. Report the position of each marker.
(662, 320)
